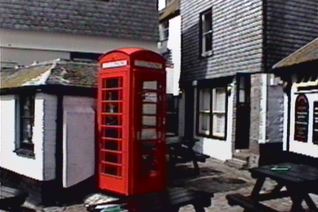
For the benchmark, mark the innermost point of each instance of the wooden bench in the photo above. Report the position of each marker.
(171, 200)
(11, 199)
(247, 203)
(181, 151)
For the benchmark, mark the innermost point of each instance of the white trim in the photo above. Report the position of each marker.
(263, 109)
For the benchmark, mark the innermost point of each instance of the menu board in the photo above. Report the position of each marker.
(315, 124)
(301, 118)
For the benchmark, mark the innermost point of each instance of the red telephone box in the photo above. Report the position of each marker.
(131, 122)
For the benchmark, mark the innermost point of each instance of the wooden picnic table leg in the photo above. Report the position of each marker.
(297, 197)
(198, 208)
(195, 163)
(310, 202)
(257, 188)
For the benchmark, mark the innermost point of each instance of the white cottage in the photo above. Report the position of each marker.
(47, 143)
(300, 74)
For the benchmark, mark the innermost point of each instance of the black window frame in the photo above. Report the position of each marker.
(203, 53)
(25, 118)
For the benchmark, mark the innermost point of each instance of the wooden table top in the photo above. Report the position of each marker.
(288, 173)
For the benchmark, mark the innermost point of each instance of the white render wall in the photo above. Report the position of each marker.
(306, 148)
(78, 139)
(174, 43)
(30, 167)
(57, 45)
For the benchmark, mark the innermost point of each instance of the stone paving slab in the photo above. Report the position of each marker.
(215, 176)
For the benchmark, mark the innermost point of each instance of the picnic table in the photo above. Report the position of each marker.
(11, 199)
(181, 150)
(170, 200)
(298, 179)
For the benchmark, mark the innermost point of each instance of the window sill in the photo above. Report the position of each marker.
(25, 153)
(206, 54)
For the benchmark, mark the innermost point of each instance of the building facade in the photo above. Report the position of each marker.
(299, 72)
(230, 101)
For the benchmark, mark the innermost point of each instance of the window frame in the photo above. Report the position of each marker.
(202, 48)
(164, 31)
(22, 148)
(210, 133)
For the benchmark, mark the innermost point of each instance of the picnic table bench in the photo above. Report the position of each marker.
(11, 199)
(297, 173)
(171, 201)
(181, 151)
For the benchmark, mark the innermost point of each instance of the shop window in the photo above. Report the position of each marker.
(315, 124)
(211, 113)
(25, 123)
(206, 33)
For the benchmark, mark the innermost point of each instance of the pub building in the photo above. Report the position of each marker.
(299, 72)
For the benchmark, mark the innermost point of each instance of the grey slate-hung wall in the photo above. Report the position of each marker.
(237, 38)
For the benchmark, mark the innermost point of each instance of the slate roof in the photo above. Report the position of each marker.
(57, 72)
(111, 18)
(307, 53)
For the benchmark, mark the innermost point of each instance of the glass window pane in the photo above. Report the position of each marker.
(207, 22)
(204, 123)
(149, 109)
(204, 100)
(149, 121)
(208, 42)
(219, 99)
(148, 134)
(150, 85)
(218, 124)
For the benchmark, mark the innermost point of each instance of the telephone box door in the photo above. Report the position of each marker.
(113, 130)
(150, 123)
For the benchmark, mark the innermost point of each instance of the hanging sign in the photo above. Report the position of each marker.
(301, 118)
(315, 124)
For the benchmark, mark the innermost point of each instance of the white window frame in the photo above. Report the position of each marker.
(205, 33)
(212, 111)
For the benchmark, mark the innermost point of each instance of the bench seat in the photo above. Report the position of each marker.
(170, 200)
(11, 198)
(247, 203)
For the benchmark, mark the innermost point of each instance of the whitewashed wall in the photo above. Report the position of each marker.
(216, 148)
(306, 148)
(30, 167)
(14, 44)
(78, 139)
(174, 43)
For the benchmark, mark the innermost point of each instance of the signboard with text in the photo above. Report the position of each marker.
(315, 124)
(301, 118)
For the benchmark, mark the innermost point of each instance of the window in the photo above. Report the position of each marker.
(206, 33)
(25, 123)
(164, 31)
(211, 118)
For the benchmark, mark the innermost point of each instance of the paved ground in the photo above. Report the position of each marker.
(215, 177)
